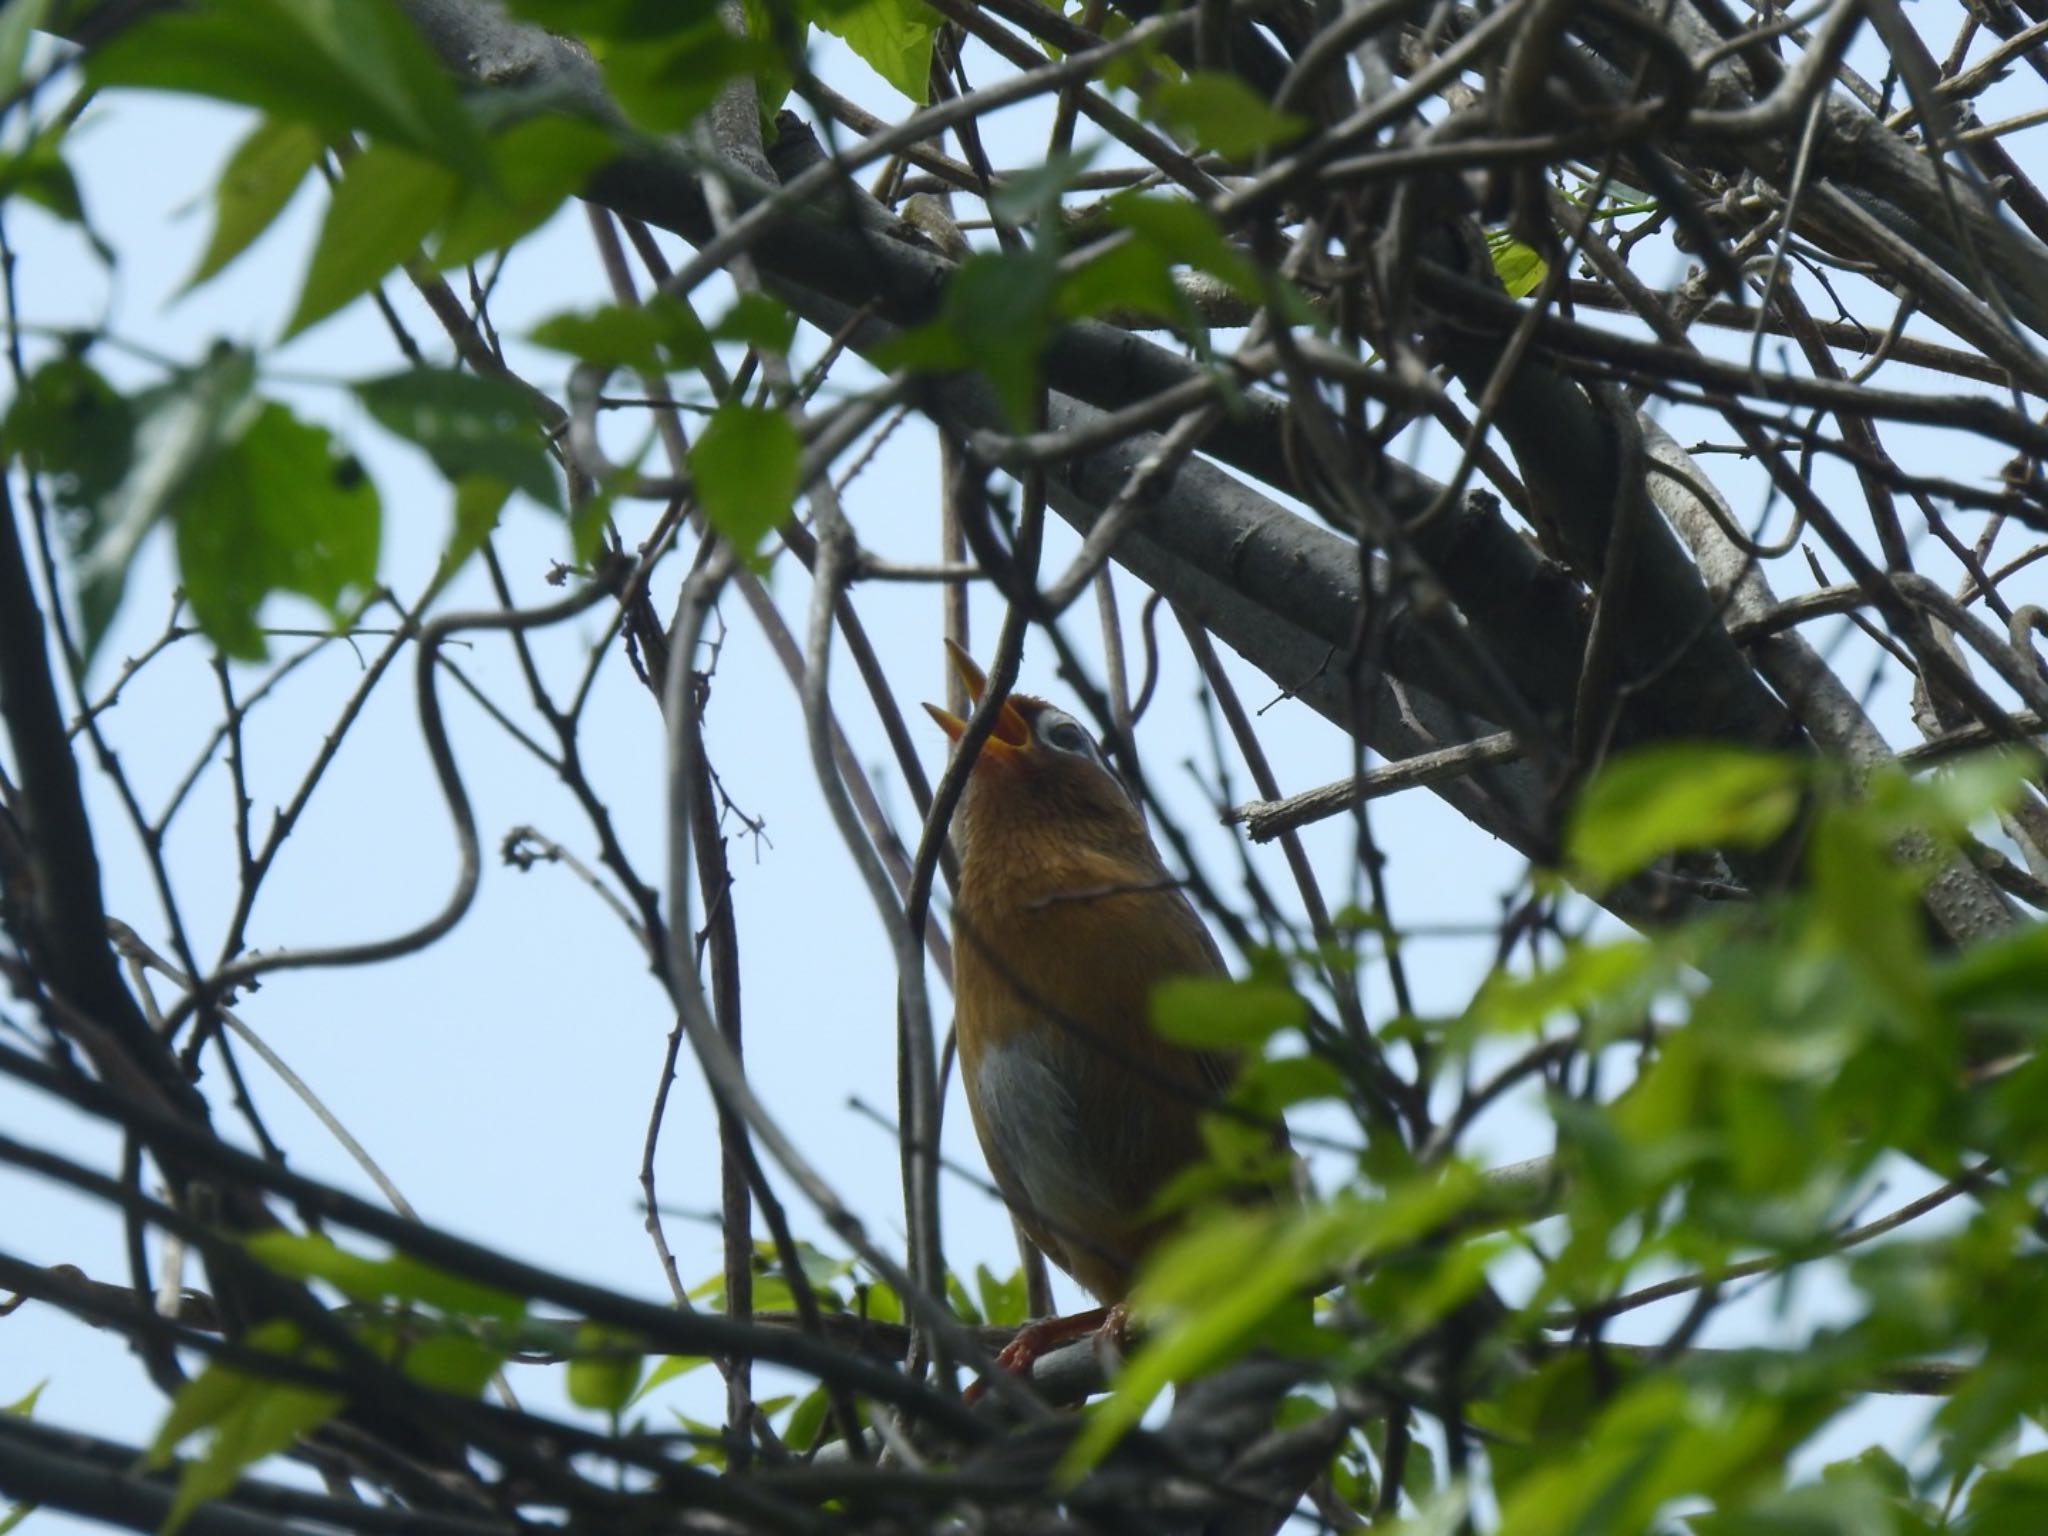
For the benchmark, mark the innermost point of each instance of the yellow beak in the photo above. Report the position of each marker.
(1012, 732)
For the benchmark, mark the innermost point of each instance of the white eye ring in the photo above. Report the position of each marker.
(1063, 735)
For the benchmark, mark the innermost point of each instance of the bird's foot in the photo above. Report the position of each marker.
(1041, 1338)
(1113, 1337)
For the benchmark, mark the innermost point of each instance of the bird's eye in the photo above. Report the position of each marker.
(1066, 736)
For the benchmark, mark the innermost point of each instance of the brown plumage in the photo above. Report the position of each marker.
(1065, 921)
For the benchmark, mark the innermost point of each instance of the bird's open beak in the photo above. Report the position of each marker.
(1011, 734)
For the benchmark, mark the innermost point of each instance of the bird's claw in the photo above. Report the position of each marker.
(1110, 1325)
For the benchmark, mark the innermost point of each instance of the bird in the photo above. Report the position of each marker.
(1065, 920)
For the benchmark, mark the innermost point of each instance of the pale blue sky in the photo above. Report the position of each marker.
(503, 1078)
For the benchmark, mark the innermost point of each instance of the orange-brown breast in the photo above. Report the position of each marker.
(1082, 1110)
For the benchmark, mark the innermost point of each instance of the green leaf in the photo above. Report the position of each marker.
(259, 179)
(878, 1300)
(75, 429)
(664, 83)
(958, 1299)
(311, 1256)
(1184, 232)
(281, 509)
(387, 203)
(469, 424)
(1587, 974)
(998, 317)
(892, 37)
(1956, 795)
(1136, 275)
(605, 1377)
(341, 66)
(587, 525)
(39, 172)
(1003, 1301)
(479, 498)
(1876, 1465)
(1273, 1084)
(450, 1362)
(614, 19)
(1032, 193)
(654, 337)
(2011, 1499)
(537, 165)
(22, 1407)
(806, 1421)
(1519, 265)
(1221, 113)
(18, 22)
(2003, 980)
(1869, 905)
(1207, 1011)
(666, 1369)
(746, 463)
(1127, 278)
(1210, 1292)
(156, 458)
(819, 1267)
(248, 1417)
(1657, 1442)
(1676, 796)
(755, 320)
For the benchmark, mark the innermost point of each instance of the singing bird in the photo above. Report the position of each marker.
(1065, 920)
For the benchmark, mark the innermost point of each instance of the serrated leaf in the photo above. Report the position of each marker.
(1209, 1011)
(279, 509)
(387, 203)
(1681, 795)
(266, 168)
(1221, 113)
(746, 463)
(469, 424)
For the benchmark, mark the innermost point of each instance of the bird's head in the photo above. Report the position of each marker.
(1039, 761)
